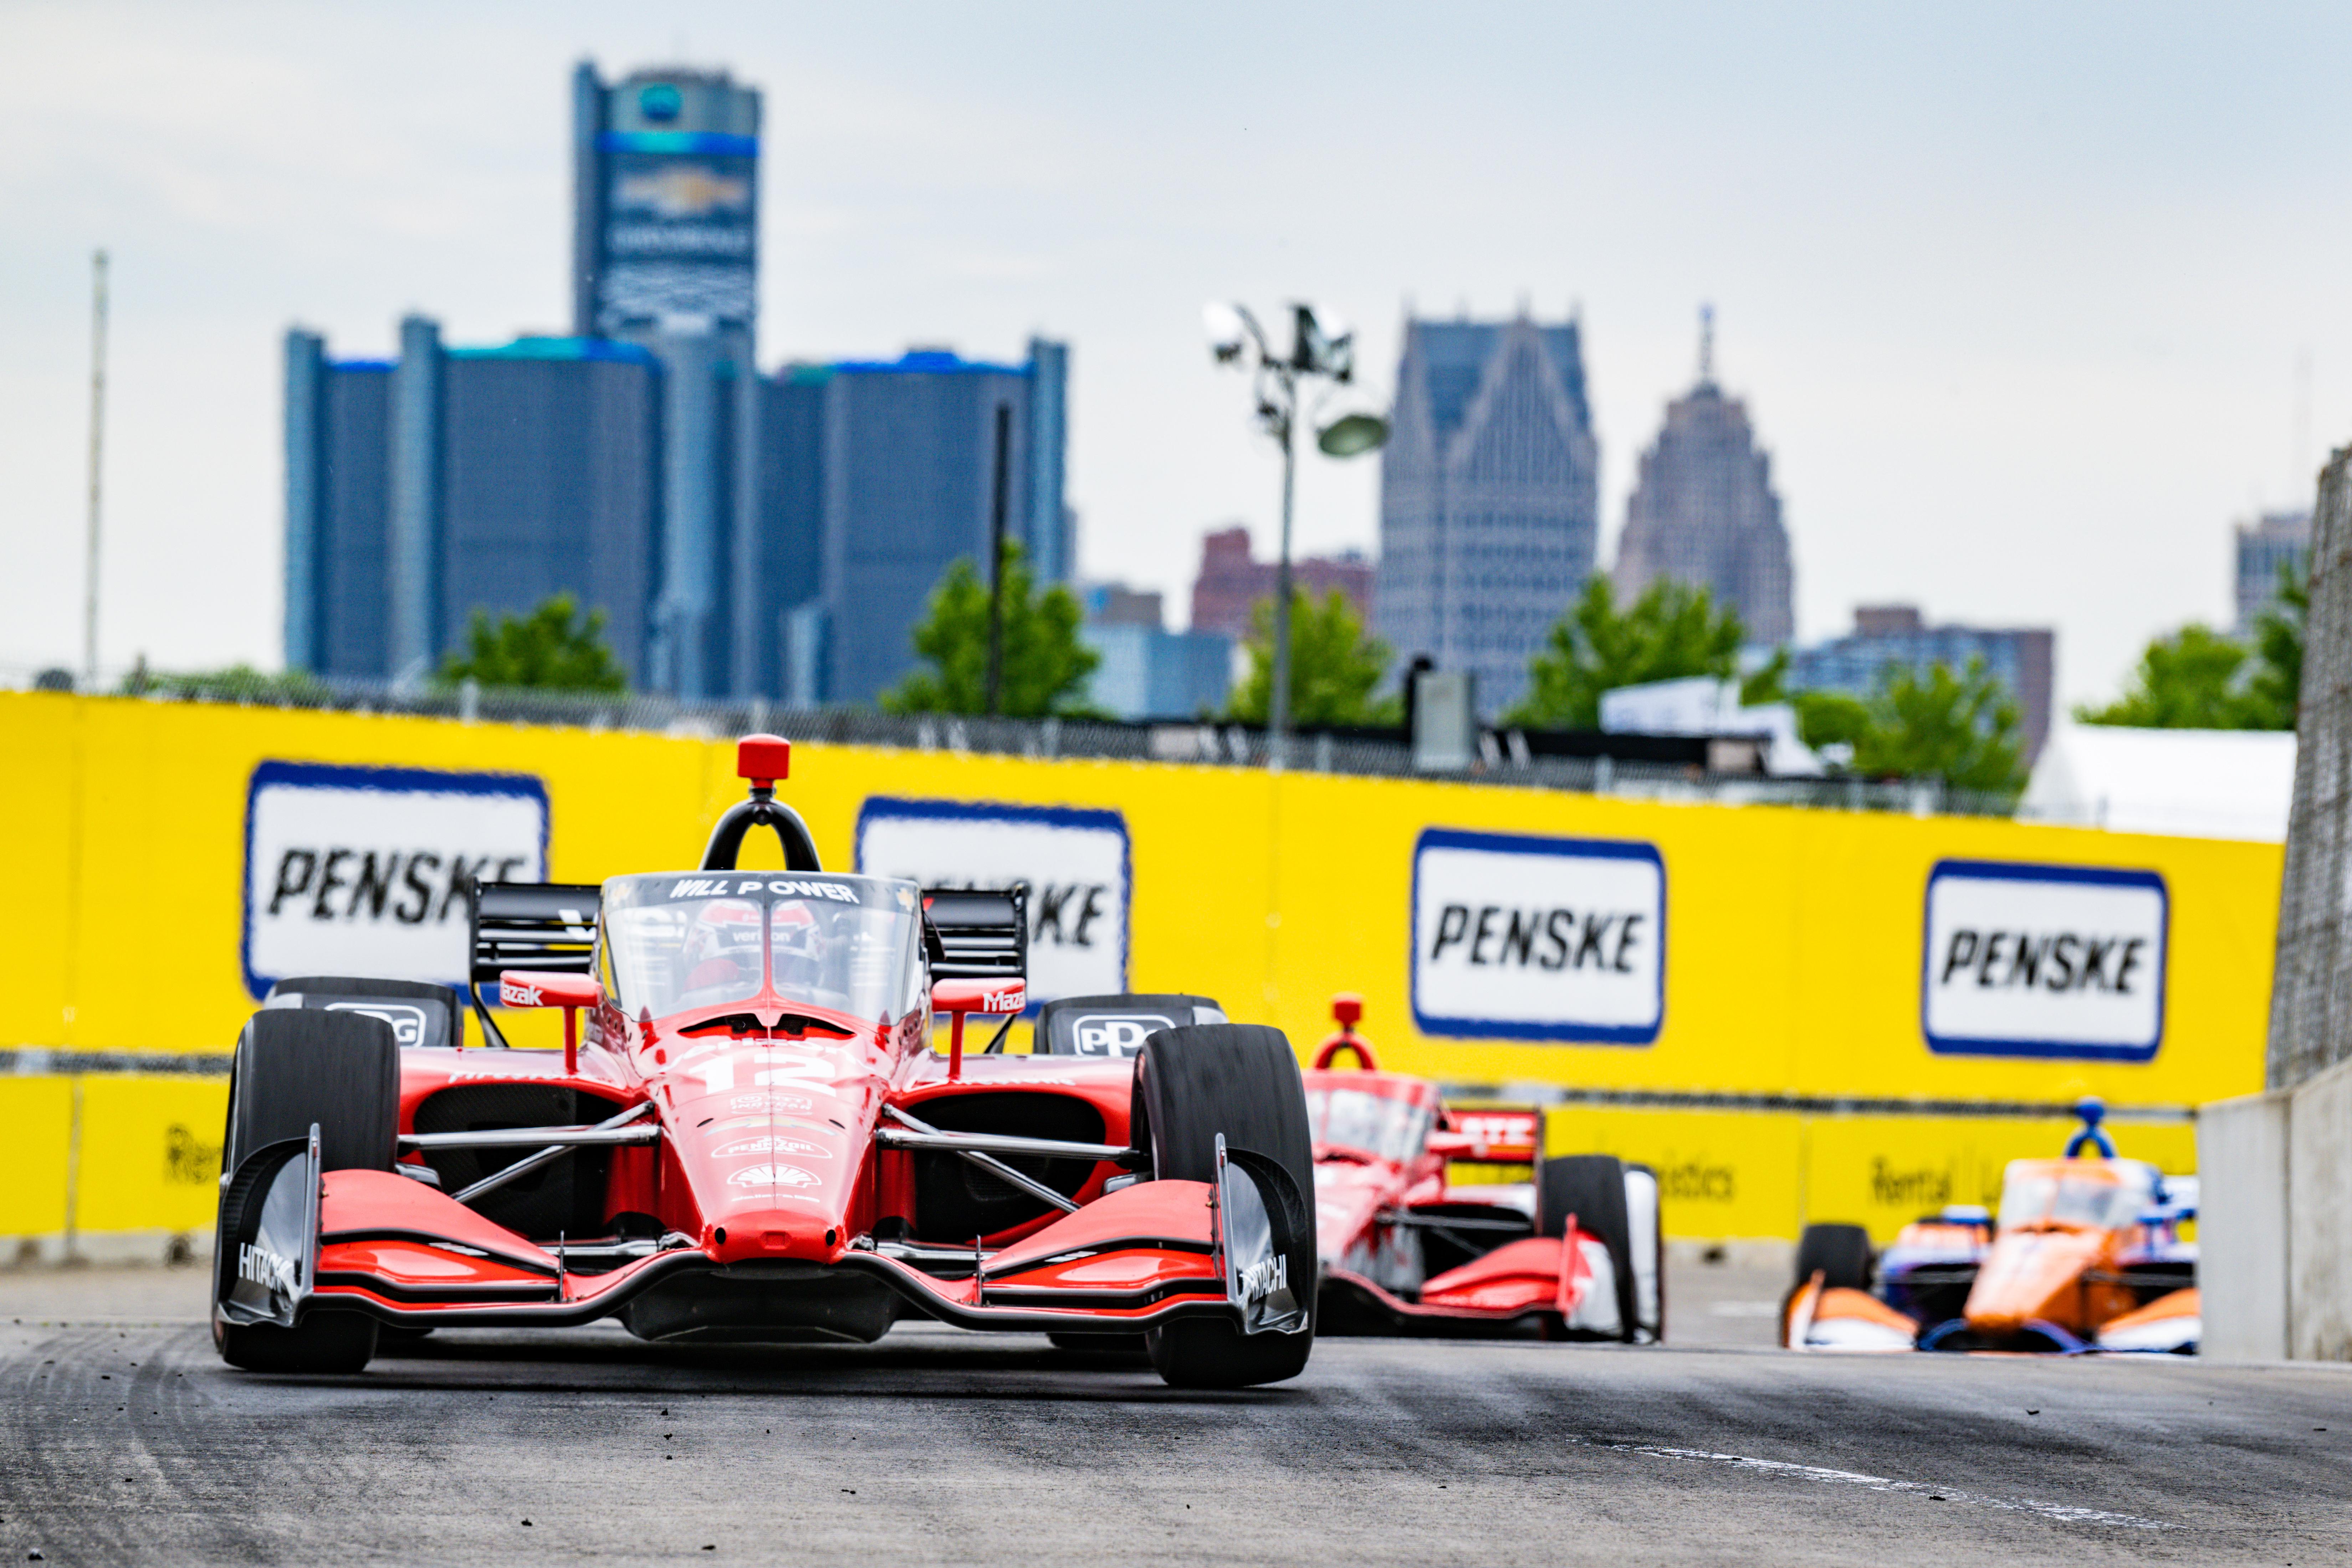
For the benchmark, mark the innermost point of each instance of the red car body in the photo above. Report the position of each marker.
(754, 1139)
(1406, 1249)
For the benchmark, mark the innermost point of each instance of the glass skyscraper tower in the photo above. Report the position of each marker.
(665, 250)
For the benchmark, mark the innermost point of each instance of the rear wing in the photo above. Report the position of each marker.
(1498, 1137)
(976, 935)
(544, 927)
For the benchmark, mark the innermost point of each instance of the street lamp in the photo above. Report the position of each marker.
(1321, 344)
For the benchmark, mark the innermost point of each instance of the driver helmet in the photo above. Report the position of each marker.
(722, 946)
(797, 947)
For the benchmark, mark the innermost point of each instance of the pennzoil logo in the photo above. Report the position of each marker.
(773, 1176)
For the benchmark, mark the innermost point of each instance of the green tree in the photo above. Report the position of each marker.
(1673, 630)
(550, 648)
(1046, 667)
(1334, 665)
(1961, 728)
(2277, 683)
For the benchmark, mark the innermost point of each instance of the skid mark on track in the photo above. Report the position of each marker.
(2064, 1513)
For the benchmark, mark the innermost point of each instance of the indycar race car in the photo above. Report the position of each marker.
(2087, 1257)
(754, 1138)
(1572, 1253)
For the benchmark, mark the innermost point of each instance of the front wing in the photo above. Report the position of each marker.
(1568, 1283)
(407, 1255)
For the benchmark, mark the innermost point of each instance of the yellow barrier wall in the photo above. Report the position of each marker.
(1792, 969)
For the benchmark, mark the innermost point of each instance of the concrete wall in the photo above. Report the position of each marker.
(2319, 1217)
(2274, 1269)
(2242, 1227)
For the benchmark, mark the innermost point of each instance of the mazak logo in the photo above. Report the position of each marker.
(798, 1148)
(363, 870)
(773, 1176)
(259, 1266)
(1515, 936)
(1074, 863)
(513, 993)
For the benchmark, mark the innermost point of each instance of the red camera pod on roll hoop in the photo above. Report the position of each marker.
(533, 988)
(1348, 1009)
(763, 759)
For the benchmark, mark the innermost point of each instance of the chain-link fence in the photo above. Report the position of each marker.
(1505, 758)
(2311, 994)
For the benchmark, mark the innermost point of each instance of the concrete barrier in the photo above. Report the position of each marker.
(2241, 1229)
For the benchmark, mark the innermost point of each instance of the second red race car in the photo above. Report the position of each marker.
(1572, 1252)
(755, 1140)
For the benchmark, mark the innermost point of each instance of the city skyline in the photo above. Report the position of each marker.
(2017, 349)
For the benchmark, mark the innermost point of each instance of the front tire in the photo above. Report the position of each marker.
(339, 1072)
(1241, 1080)
(1591, 1189)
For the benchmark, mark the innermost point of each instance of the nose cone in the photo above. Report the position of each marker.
(1347, 1196)
(2032, 1274)
(771, 1161)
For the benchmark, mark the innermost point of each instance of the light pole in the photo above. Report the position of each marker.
(1320, 345)
(97, 452)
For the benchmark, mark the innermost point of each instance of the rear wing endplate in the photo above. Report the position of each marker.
(545, 927)
(976, 935)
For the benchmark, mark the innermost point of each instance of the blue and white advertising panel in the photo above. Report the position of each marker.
(1538, 938)
(363, 870)
(1076, 862)
(2043, 960)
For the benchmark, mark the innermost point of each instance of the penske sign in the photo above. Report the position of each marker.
(2043, 960)
(1538, 938)
(363, 870)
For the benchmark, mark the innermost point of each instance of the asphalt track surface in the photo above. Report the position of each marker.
(126, 1440)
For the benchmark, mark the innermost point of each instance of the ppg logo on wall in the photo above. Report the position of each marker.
(363, 870)
(1076, 862)
(2044, 960)
(1538, 938)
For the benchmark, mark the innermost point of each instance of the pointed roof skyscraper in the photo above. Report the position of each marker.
(1702, 510)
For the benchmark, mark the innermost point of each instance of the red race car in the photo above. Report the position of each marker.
(1572, 1253)
(753, 1138)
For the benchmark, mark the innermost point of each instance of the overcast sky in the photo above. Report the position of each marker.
(2016, 295)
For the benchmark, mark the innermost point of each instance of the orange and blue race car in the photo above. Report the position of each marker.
(1572, 1252)
(2087, 1256)
(753, 1138)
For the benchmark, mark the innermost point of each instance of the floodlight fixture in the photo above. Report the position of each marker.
(1322, 344)
(1352, 435)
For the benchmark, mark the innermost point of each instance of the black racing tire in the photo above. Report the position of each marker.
(1241, 1080)
(294, 1069)
(1840, 1252)
(1591, 1189)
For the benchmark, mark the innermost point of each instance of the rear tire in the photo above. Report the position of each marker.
(339, 1072)
(1591, 1188)
(1840, 1253)
(1241, 1080)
